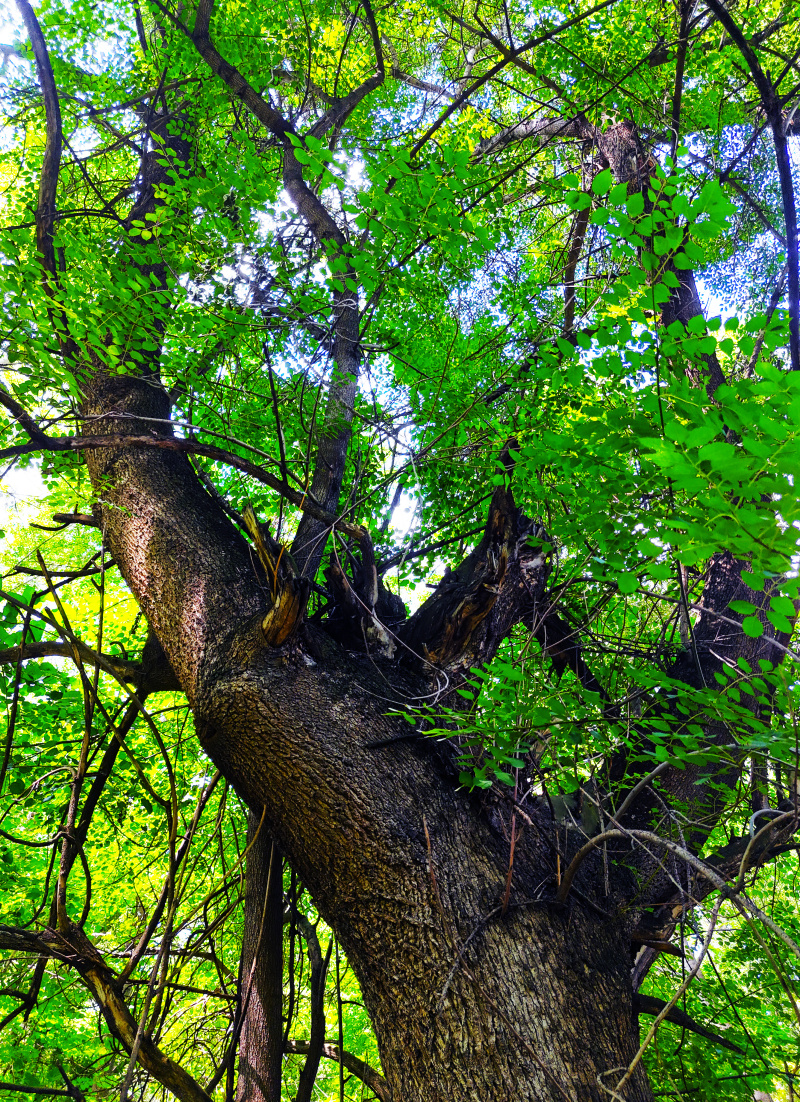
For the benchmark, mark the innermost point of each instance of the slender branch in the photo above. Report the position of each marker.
(662, 1014)
(51, 163)
(771, 102)
(507, 59)
(40, 441)
(576, 244)
(24, 420)
(680, 64)
(316, 1043)
(313, 530)
(52, 1091)
(744, 905)
(342, 108)
(74, 948)
(354, 1064)
(653, 1006)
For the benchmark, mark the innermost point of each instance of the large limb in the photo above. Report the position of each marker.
(333, 440)
(474, 607)
(51, 164)
(148, 676)
(714, 645)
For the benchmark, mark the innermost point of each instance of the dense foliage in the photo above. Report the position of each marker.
(440, 173)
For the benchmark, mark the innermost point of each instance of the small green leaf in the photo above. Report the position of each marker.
(602, 182)
(744, 607)
(752, 627)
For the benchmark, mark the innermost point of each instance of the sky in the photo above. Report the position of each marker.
(20, 494)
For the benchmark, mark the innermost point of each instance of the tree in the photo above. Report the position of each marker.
(282, 271)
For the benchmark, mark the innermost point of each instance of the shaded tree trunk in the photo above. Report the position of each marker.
(407, 870)
(261, 1037)
(467, 1004)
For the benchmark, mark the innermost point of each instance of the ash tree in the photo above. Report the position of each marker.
(363, 354)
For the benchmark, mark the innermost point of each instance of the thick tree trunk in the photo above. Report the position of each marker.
(467, 1003)
(407, 870)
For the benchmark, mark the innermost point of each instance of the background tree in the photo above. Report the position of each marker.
(271, 278)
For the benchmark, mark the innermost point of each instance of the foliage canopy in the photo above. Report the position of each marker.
(390, 264)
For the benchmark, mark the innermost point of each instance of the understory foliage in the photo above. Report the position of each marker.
(442, 175)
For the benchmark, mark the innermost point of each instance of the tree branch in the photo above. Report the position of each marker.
(339, 111)
(40, 441)
(74, 948)
(474, 607)
(316, 1042)
(354, 1064)
(51, 163)
(649, 1004)
(771, 102)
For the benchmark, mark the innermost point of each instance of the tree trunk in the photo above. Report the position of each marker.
(261, 1037)
(408, 870)
(468, 1004)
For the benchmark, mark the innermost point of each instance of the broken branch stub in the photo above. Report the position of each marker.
(289, 592)
(474, 606)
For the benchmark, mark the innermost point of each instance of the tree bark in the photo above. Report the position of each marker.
(261, 1038)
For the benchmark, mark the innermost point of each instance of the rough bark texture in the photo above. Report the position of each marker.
(405, 868)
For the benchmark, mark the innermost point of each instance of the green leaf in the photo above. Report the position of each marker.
(602, 182)
(752, 627)
(744, 607)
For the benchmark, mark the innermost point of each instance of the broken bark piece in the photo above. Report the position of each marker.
(289, 591)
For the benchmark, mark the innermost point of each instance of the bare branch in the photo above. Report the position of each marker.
(156, 680)
(354, 1064)
(649, 1004)
(48, 181)
(41, 441)
(74, 948)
